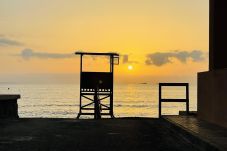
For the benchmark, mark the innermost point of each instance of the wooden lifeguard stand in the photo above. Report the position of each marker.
(96, 87)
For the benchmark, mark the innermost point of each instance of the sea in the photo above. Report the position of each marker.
(62, 100)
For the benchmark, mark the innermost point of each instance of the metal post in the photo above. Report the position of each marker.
(110, 63)
(160, 103)
(187, 98)
(97, 114)
(111, 95)
(81, 69)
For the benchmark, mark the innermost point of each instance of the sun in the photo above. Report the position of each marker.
(130, 67)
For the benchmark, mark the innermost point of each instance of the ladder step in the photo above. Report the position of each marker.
(94, 109)
(93, 93)
(94, 114)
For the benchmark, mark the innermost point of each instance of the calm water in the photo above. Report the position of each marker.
(61, 101)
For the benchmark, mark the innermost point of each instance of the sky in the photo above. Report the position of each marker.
(158, 40)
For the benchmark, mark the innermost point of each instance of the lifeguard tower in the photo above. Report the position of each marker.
(97, 87)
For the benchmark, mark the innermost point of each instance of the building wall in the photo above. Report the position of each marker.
(212, 96)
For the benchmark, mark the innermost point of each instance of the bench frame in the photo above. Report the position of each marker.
(186, 100)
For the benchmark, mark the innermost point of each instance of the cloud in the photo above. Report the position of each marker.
(8, 42)
(162, 58)
(125, 59)
(29, 53)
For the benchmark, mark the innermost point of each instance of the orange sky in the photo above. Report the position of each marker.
(163, 40)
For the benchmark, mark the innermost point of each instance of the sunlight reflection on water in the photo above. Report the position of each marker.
(61, 101)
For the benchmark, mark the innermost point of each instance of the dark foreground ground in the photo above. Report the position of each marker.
(91, 135)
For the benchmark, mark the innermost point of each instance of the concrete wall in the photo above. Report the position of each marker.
(218, 33)
(212, 96)
(8, 106)
(212, 85)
